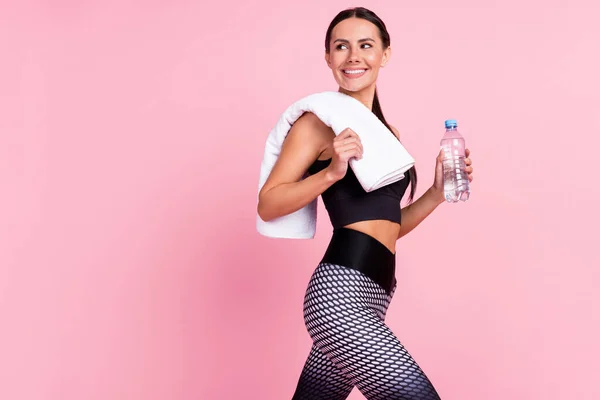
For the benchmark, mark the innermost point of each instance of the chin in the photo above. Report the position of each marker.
(355, 87)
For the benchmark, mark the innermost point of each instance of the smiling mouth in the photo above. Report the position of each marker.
(354, 73)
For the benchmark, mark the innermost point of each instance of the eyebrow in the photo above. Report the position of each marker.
(360, 41)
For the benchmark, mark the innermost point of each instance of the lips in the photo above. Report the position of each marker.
(354, 73)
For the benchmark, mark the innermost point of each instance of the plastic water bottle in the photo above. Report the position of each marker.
(456, 180)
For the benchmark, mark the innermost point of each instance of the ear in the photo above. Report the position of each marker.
(387, 54)
(328, 59)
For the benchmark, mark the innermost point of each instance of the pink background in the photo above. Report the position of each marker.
(131, 135)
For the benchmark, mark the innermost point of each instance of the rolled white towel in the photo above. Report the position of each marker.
(384, 160)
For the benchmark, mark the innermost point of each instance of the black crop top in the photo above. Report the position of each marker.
(347, 202)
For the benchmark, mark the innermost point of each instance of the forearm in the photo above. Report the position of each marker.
(415, 213)
(290, 197)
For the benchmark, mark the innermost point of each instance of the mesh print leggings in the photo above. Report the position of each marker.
(344, 310)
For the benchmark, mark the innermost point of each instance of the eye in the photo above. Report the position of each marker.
(341, 46)
(368, 46)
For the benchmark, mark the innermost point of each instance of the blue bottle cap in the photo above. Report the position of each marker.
(450, 123)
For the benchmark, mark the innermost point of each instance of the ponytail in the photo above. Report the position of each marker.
(412, 172)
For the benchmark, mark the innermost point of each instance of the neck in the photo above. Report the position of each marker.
(365, 95)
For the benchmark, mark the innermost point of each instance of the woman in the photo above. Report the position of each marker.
(350, 290)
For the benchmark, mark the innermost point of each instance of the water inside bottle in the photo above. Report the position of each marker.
(456, 181)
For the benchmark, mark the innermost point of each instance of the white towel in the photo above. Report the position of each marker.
(384, 158)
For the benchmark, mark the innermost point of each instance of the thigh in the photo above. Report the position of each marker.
(320, 379)
(371, 356)
(351, 332)
(386, 370)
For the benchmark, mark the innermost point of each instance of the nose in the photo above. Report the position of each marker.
(353, 56)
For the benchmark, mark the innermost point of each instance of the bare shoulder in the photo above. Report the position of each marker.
(395, 131)
(310, 124)
(303, 144)
(309, 130)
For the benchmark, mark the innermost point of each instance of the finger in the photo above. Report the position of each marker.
(470, 178)
(348, 132)
(467, 152)
(468, 161)
(349, 147)
(353, 134)
(347, 155)
(469, 170)
(346, 141)
(344, 134)
(347, 136)
(356, 154)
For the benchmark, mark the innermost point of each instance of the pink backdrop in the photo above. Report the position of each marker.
(130, 140)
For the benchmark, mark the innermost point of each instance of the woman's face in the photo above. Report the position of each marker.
(356, 54)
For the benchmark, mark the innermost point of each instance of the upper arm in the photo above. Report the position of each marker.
(301, 147)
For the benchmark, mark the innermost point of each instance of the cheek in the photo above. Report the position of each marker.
(374, 59)
(337, 60)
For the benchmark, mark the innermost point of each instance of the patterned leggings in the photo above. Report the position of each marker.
(344, 312)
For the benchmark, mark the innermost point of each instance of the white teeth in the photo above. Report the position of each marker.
(357, 71)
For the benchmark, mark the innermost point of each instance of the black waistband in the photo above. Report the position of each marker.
(357, 250)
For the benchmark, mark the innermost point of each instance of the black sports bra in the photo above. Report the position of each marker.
(347, 202)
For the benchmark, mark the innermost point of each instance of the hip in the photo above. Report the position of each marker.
(361, 252)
